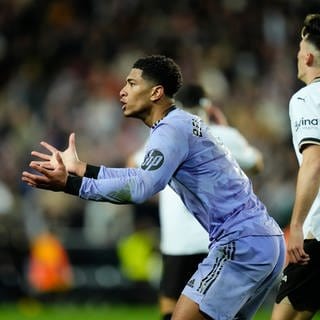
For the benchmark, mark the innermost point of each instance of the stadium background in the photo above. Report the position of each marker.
(62, 65)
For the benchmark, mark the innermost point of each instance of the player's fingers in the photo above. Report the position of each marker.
(294, 255)
(58, 157)
(48, 166)
(25, 178)
(30, 179)
(44, 164)
(40, 169)
(35, 184)
(40, 155)
(304, 257)
(72, 140)
(298, 256)
(27, 175)
(49, 147)
(30, 176)
(29, 182)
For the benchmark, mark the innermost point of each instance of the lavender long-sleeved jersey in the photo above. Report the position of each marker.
(181, 152)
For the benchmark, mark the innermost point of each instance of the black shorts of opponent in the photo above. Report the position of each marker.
(176, 272)
(300, 283)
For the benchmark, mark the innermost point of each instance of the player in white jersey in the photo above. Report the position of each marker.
(246, 250)
(297, 297)
(180, 254)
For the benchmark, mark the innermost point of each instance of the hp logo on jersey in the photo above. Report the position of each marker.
(153, 160)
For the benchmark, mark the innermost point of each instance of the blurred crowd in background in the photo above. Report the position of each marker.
(63, 63)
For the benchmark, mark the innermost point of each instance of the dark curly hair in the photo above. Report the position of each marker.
(311, 29)
(161, 70)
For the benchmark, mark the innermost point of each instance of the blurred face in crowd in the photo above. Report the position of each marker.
(136, 95)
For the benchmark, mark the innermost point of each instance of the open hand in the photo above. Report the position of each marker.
(50, 178)
(69, 157)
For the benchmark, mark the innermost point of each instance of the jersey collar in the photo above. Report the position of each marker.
(173, 107)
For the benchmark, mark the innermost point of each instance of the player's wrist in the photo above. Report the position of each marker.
(80, 168)
(72, 185)
(91, 171)
(296, 225)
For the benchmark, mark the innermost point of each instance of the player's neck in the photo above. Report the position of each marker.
(159, 114)
(314, 77)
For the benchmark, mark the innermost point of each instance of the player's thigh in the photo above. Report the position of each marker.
(186, 309)
(285, 311)
(166, 304)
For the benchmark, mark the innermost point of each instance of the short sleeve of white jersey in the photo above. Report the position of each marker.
(304, 111)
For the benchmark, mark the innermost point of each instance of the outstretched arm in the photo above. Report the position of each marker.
(117, 185)
(308, 184)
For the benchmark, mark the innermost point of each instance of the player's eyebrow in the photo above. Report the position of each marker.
(130, 80)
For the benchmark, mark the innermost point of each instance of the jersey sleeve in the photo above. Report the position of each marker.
(305, 121)
(165, 150)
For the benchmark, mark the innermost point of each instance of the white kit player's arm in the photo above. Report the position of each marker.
(306, 140)
(308, 184)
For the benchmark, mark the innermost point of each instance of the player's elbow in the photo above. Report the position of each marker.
(142, 193)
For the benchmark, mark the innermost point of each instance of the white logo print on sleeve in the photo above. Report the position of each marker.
(153, 160)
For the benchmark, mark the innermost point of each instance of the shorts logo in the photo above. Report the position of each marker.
(153, 160)
(284, 278)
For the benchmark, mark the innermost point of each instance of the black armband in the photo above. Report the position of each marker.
(73, 185)
(92, 171)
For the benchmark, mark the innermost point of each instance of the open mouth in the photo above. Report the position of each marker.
(124, 105)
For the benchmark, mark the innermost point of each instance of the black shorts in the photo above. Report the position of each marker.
(176, 272)
(300, 283)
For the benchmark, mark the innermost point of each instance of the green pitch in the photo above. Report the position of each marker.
(33, 310)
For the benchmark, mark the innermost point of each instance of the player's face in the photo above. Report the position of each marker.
(135, 95)
(302, 57)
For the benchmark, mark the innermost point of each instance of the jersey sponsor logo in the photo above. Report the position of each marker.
(153, 160)
(306, 123)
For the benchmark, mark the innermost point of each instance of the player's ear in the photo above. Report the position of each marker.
(157, 92)
(309, 59)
